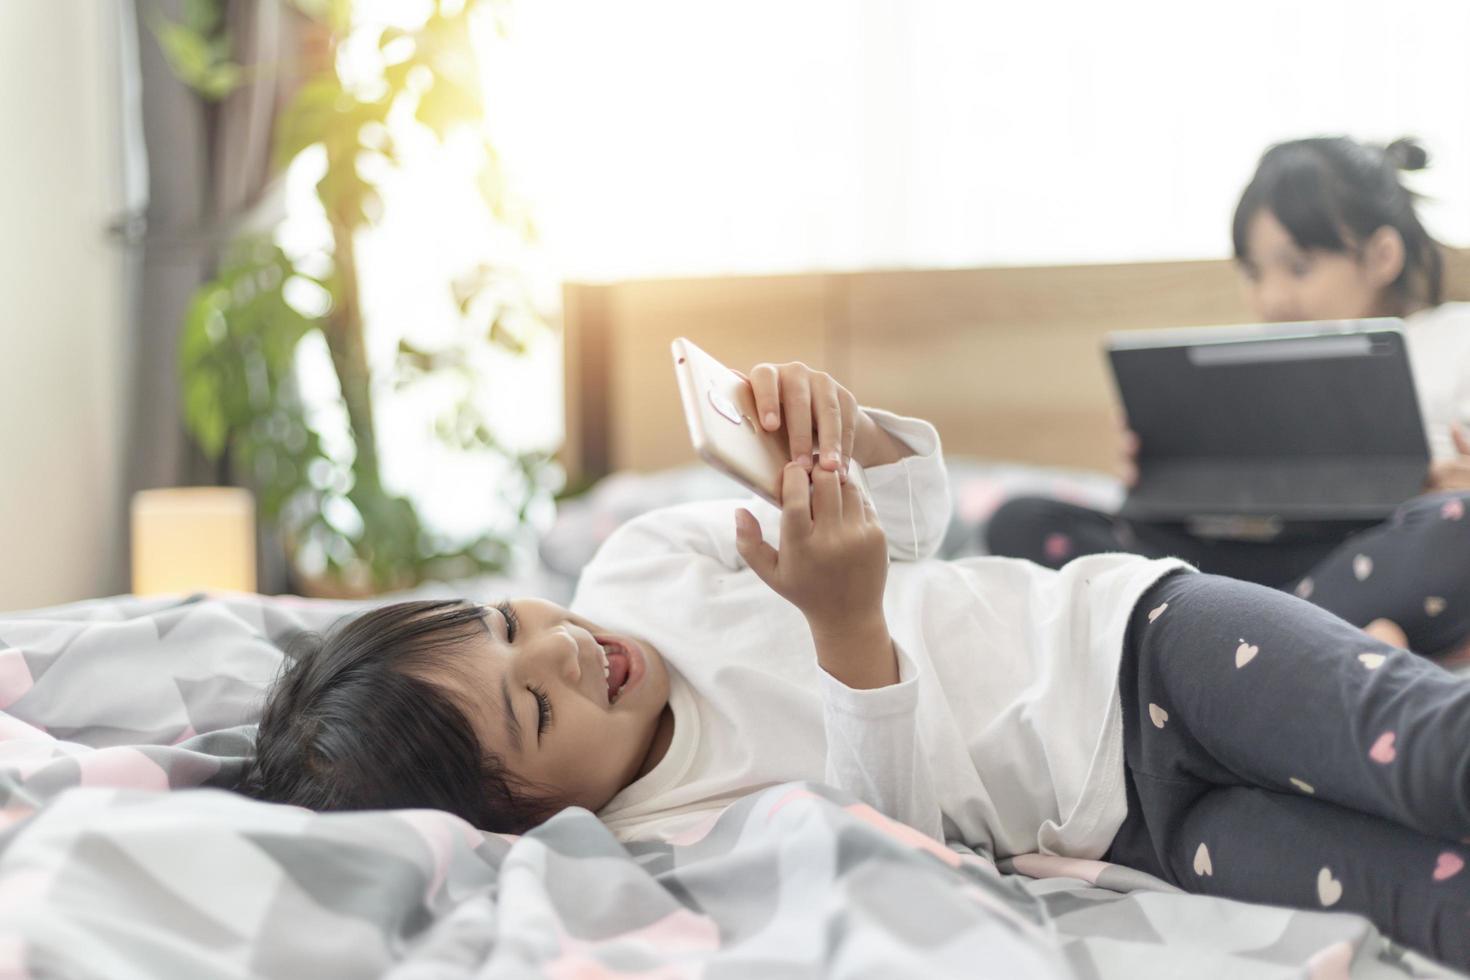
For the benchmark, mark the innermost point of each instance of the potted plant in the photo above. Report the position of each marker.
(345, 531)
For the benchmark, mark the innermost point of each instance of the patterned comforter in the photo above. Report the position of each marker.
(122, 854)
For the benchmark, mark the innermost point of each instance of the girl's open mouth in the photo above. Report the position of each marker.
(625, 666)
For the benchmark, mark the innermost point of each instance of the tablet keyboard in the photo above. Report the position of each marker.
(1323, 488)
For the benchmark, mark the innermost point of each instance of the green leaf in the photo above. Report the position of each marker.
(339, 15)
(397, 75)
(448, 104)
(204, 410)
(197, 59)
(205, 16)
(307, 120)
(335, 14)
(220, 80)
(187, 51)
(414, 358)
(503, 337)
(490, 180)
(324, 112)
(347, 197)
(392, 35)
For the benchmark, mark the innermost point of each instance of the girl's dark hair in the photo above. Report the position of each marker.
(1332, 193)
(355, 723)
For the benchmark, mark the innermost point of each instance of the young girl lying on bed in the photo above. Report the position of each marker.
(1227, 737)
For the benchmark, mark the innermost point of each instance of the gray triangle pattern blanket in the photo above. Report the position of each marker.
(123, 723)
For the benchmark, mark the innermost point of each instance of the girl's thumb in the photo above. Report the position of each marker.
(760, 556)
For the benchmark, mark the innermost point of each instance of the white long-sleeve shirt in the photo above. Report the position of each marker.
(1438, 340)
(1004, 730)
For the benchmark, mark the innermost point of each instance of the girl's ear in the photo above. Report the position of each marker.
(1383, 257)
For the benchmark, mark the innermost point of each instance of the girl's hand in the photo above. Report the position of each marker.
(821, 416)
(1128, 454)
(832, 565)
(1451, 474)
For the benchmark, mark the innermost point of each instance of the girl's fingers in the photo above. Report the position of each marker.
(849, 425)
(826, 498)
(1454, 474)
(796, 502)
(1129, 468)
(1462, 439)
(828, 409)
(855, 507)
(796, 400)
(766, 383)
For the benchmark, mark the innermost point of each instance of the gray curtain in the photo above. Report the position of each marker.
(207, 171)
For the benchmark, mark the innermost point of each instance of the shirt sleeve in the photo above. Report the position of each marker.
(874, 751)
(1438, 430)
(911, 496)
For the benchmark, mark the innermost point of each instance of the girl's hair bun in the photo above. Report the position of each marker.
(1406, 153)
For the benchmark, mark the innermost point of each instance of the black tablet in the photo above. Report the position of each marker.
(1296, 421)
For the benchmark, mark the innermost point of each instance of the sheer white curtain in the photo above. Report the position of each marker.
(663, 137)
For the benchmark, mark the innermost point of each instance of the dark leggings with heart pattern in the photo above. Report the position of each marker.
(1275, 753)
(1413, 569)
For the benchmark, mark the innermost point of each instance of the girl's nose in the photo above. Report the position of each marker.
(1276, 304)
(556, 651)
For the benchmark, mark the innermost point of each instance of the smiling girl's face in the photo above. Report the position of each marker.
(1285, 282)
(573, 710)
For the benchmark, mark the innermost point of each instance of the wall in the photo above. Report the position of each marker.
(61, 305)
(867, 134)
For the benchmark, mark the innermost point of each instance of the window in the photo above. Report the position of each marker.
(662, 137)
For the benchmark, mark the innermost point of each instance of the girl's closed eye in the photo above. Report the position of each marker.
(543, 711)
(543, 701)
(512, 621)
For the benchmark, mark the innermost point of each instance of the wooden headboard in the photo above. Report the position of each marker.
(1007, 363)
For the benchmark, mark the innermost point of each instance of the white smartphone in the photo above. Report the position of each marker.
(719, 408)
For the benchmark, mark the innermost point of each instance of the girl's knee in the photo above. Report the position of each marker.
(1452, 506)
(1019, 524)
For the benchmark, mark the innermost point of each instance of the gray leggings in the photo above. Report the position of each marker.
(1413, 569)
(1275, 753)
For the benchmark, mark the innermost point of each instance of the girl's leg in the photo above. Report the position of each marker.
(1237, 684)
(1267, 741)
(1413, 570)
(1290, 849)
(1052, 533)
(1285, 741)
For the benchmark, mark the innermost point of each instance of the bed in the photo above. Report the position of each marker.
(123, 722)
(123, 855)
